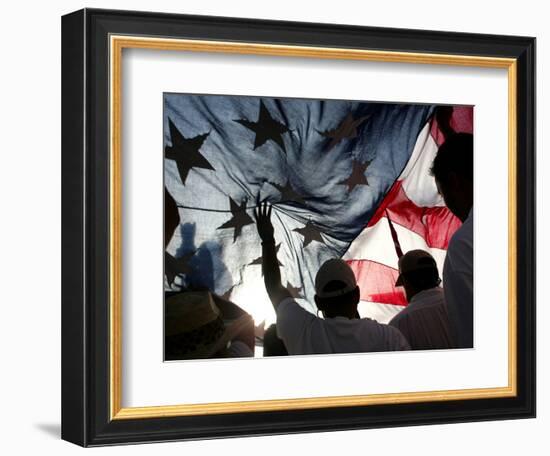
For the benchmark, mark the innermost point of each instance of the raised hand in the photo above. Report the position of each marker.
(272, 275)
(262, 214)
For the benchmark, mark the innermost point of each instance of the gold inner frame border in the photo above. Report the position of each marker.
(116, 46)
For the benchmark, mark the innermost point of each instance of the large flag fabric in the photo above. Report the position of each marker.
(415, 211)
(333, 170)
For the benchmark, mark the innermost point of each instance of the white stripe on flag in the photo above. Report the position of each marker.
(375, 244)
(417, 182)
(382, 313)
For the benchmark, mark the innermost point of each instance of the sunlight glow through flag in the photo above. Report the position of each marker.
(333, 170)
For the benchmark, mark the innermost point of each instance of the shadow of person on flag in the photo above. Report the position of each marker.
(198, 323)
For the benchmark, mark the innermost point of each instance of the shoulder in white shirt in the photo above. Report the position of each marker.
(304, 333)
(424, 322)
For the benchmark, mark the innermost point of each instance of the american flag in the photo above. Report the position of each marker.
(336, 172)
(416, 212)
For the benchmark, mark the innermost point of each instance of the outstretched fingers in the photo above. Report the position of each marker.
(263, 209)
(257, 209)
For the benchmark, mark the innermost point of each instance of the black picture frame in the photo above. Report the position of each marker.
(86, 390)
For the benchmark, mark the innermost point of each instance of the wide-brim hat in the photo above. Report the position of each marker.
(195, 323)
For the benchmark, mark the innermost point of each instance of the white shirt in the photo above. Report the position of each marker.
(458, 277)
(305, 334)
(424, 322)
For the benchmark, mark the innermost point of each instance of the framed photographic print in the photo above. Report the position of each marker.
(268, 227)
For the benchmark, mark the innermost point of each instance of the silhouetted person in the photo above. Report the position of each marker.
(453, 169)
(424, 322)
(171, 217)
(198, 323)
(337, 297)
(273, 346)
(194, 328)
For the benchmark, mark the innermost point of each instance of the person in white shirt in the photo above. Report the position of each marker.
(453, 170)
(424, 322)
(337, 297)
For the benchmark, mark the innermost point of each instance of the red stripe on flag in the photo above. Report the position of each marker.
(449, 119)
(377, 282)
(435, 224)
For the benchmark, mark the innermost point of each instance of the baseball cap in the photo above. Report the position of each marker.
(334, 269)
(414, 260)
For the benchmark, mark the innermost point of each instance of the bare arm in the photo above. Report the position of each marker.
(272, 274)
